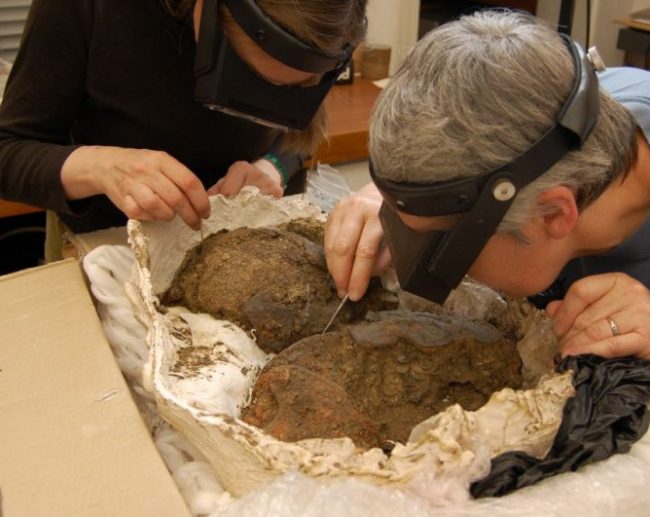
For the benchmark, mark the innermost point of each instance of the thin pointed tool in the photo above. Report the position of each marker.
(336, 312)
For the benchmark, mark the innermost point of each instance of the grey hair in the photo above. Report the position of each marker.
(475, 93)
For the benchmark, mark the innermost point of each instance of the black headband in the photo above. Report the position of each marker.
(431, 264)
(282, 45)
(574, 122)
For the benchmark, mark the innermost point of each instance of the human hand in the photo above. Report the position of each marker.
(353, 242)
(261, 174)
(606, 315)
(144, 184)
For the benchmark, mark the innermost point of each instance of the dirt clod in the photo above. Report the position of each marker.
(375, 381)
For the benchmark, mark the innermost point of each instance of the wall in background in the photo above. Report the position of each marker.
(603, 31)
(394, 23)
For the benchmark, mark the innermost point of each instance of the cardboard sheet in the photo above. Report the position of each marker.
(77, 245)
(71, 439)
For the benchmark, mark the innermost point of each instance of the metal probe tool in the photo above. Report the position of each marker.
(338, 309)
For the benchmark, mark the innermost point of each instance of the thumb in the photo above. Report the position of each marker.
(216, 188)
(382, 262)
(553, 307)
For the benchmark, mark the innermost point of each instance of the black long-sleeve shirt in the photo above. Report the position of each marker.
(111, 72)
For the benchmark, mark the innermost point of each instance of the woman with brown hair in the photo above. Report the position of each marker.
(104, 114)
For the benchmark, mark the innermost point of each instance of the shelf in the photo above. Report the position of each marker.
(348, 108)
(634, 24)
(9, 208)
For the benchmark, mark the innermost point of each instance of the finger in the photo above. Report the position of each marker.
(338, 254)
(270, 170)
(132, 210)
(616, 346)
(552, 308)
(189, 184)
(233, 181)
(269, 178)
(231, 185)
(151, 203)
(600, 330)
(265, 183)
(365, 258)
(579, 297)
(175, 198)
(163, 199)
(594, 314)
(344, 228)
(216, 188)
(383, 260)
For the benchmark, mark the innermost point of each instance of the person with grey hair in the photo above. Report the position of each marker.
(497, 151)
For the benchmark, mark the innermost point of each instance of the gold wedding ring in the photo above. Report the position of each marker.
(613, 326)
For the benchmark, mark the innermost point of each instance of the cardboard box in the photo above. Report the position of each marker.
(72, 442)
(77, 245)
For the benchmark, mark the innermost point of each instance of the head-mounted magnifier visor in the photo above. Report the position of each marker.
(431, 264)
(226, 83)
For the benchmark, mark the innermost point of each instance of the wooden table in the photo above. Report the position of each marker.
(348, 109)
(635, 24)
(9, 208)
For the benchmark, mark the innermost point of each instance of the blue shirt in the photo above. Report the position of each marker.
(631, 88)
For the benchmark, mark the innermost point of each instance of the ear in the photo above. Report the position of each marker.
(559, 211)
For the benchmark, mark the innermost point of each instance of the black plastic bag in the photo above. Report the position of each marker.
(606, 416)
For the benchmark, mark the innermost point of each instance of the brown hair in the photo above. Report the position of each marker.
(326, 24)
